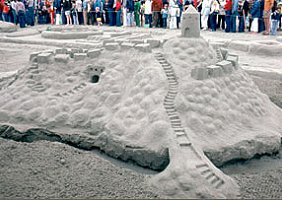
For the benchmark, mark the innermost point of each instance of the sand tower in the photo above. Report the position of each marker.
(190, 23)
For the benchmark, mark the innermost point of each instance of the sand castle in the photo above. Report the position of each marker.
(179, 106)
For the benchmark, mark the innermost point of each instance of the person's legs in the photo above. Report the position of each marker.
(205, 21)
(85, 17)
(124, 17)
(118, 18)
(219, 18)
(213, 21)
(14, 16)
(164, 23)
(154, 19)
(21, 19)
(241, 24)
(223, 22)
(233, 23)
(274, 27)
(111, 16)
(228, 21)
(150, 20)
(137, 19)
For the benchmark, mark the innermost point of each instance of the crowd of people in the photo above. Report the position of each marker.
(229, 15)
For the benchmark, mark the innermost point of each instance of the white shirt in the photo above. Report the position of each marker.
(79, 5)
(148, 7)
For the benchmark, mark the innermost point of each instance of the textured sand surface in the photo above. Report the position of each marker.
(228, 117)
(53, 170)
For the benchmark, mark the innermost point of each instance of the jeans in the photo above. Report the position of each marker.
(261, 27)
(233, 22)
(64, 19)
(30, 16)
(164, 22)
(129, 19)
(80, 18)
(21, 16)
(75, 19)
(112, 20)
(14, 16)
(241, 24)
(6, 17)
(274, 26)
(221, 22)
(1, 16)
(156, 19)
(148, 20)
(93, 17)
(228, 20)
(213, 21)
(118, 18)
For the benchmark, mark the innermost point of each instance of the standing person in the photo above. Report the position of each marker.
(206, 7)
(118, 12)
(213, 14)
(50, 6)
(255, 12)
(246, 13)
(261, 21)
(157, 6)
(241, 15)
(173, 11)
(268, 4)
(142, 10)
(67, 5)
(148, 13)
(275, 17)
(57, 8)
(14, 12)
(85, 11)
(198, 6)
(124, 14)
(234, 15)
(20, 8)
(92, 12)
(137, 10)
(78, 4)
(1, 9)
(112, 18)
(74, 13)
(98, 9)
(250, 3)
(165, 15)
(106, 13)
(221, 15)
(228, 12)
(129, 11)
(179, 12)
(6, 11)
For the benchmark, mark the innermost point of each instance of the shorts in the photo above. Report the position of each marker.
(266, 14)
(67, 13)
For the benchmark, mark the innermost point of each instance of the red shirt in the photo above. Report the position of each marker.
(157, 5)
(118, 5)
(228, 5)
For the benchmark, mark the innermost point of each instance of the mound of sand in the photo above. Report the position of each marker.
(7, 27)
(134, 105)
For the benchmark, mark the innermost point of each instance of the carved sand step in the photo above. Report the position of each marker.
(209, 175)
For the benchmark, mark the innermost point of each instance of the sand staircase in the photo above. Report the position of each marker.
(218, 54)
(193, 157)
(169, 101)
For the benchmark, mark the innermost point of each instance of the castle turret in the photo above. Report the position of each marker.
(190, 23)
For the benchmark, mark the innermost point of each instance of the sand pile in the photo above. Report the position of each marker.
(7, 27)
(135, 105)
